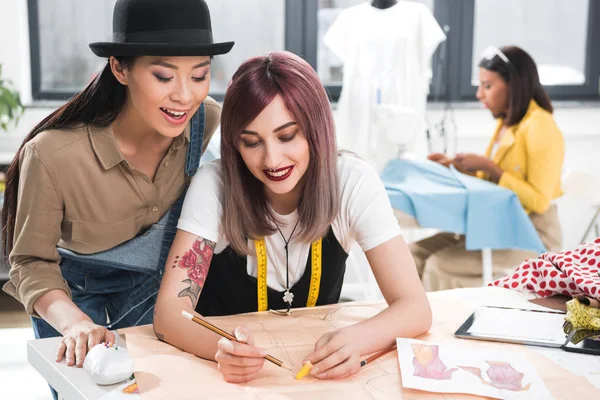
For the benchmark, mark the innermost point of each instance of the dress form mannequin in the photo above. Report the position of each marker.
(383, 4)
(388, 93)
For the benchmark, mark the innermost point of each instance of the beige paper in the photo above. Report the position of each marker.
(164, 372)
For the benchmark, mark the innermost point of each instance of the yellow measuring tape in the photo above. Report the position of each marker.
(581, 321)
(315, 279)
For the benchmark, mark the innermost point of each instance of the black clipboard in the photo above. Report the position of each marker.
(522, 326)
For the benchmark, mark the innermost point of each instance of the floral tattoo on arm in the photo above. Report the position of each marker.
(196, 261)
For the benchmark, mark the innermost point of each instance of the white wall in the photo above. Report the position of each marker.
(580, 126)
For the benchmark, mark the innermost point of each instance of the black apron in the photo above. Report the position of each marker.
(229, 289)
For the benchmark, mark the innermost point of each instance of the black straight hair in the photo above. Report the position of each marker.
(523, 80)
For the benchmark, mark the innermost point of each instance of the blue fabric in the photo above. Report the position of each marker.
(490, 216)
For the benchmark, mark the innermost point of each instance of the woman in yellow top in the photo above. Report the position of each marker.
(525, 155)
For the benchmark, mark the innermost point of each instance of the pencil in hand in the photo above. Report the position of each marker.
(227, 335)
(304, 370)
(307, 366)
(377, 355)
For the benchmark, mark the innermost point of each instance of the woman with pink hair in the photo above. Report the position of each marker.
(270, 225)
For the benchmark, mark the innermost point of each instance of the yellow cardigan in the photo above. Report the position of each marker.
(531, 154)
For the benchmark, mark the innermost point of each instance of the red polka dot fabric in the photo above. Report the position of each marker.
(570, 273)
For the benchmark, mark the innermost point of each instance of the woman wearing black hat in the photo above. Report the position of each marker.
(94, 192)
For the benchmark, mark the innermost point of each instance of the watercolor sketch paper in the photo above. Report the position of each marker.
(446, 368)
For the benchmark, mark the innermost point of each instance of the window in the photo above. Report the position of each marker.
(560, 35)
(559, 53)
(61, 30)
(256, 26)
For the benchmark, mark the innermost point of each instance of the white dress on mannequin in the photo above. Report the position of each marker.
(387, 57)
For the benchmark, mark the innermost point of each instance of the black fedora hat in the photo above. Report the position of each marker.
(161, 28)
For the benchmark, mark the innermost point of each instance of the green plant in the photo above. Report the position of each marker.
(10, 103)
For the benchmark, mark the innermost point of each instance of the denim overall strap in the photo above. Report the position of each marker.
(196, 139)
(192, 162)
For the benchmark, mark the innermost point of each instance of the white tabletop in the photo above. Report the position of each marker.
(69, 382)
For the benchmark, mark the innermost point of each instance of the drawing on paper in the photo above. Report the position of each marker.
(279, 345)
(501, 375)
(427, 362)
(448, 368)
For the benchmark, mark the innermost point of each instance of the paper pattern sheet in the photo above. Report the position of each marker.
(446, 368)
(165, 372)
(585, 365)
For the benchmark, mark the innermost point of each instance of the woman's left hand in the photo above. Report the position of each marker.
(337, 355)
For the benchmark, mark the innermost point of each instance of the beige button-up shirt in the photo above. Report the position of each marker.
(77, 191)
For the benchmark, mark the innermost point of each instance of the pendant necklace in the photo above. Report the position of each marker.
(288, 296)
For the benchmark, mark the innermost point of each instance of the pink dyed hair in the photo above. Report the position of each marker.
(253, 86)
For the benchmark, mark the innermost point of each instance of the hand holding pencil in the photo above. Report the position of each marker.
(338, 355)
(240, 361)
(237, 357)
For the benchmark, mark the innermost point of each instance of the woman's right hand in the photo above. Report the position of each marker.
(78, 339)
(239, 361)
(440, 159)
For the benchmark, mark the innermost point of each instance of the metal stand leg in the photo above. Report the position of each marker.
(486, 258)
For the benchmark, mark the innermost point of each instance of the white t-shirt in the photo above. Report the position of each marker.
(365, 216)
(386, 55)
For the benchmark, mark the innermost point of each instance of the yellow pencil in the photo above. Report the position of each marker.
(227, 335)
(308, 365)
(304, 371)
